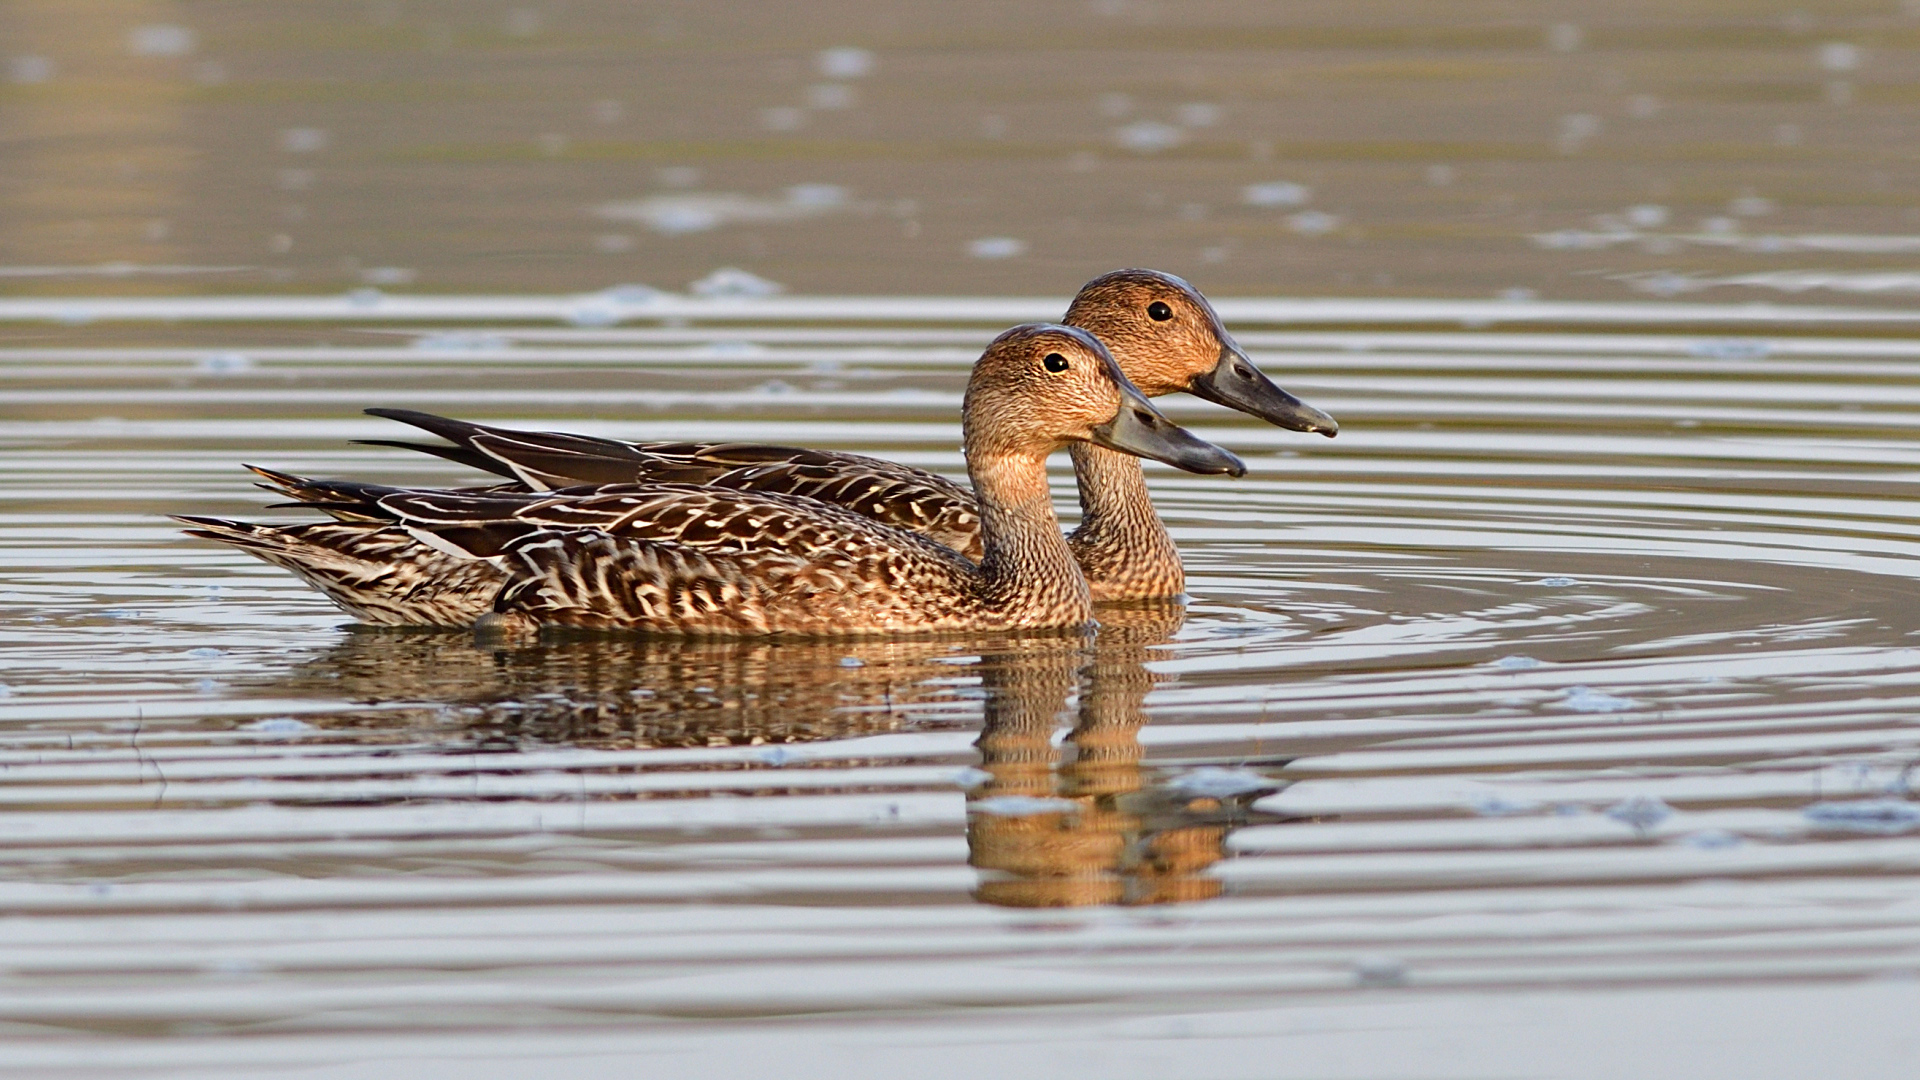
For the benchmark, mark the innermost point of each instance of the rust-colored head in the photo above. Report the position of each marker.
(1167, 338)
(1040, 387)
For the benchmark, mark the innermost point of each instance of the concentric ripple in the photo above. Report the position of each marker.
(1580, 660)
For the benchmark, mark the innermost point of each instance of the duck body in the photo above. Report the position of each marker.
(1165, 336)
(697, 559)
(692, 559)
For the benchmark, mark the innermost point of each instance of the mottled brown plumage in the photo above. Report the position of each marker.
(703, 560)
(1163, 333)
(378, 573)
(898, 495)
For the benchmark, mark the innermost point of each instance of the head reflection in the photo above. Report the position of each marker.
(1081, 823)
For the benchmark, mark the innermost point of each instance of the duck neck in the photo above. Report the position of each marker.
(1028, 572)
(1121, 542)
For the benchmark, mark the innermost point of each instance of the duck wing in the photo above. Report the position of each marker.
(897, 495)
(689, 559)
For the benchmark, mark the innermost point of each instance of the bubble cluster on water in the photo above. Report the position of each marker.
(278, 725)
(1588, 700)
(996, 247)
(1148, 137)
(1865, 815)
(225, 363)
(1641, 812)
(161, 39)
(1220, 782)
(1276, 193)
(730, 282)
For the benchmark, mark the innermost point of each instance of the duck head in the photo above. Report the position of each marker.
(1167, 338)
(1040, 387)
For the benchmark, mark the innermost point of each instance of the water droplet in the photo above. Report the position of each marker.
(1647, 215)
(844, 62)
(1865, 815)
(1516, 663)
(730, 282)
(388, 275)
(1148, 137)
(1216, 782)
(996, 247)
(1713, 839)
(1588, 700)
(1276, 193)
(304, 140)
(1022, 806)
(782, 118)
(1312, 222)
(27, 70)
(969, 778)
(278, 725)
(1838, 56)
(816, 196)
(1730, 349)
(160, 39)
(1642, 812)
(224, 363)
(776, 756)
(1491, 805)
(1199, 114)
(1378, 971)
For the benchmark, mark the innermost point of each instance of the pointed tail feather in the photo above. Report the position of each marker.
(464, 455)
(345, 500)
(375, 572)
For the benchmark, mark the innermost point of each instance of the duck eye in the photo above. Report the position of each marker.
(1055, 362)
(1158, 311)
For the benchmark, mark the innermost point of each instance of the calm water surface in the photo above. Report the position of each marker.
(1562, 709)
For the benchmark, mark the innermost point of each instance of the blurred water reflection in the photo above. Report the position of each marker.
(1377, 148)
(1098, 827)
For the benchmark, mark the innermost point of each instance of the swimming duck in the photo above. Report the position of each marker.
(679, 558)
(1162, 331)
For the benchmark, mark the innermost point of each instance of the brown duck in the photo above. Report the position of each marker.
(677, 558)
(1162, 331)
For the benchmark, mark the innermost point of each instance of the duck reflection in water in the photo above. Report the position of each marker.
(1092, 828)
(1079, 823)
(619, 692)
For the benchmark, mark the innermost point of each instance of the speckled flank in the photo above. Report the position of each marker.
(686, 558)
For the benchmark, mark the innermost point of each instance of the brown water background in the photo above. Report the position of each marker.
(1557, 720)
(1452, 149)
